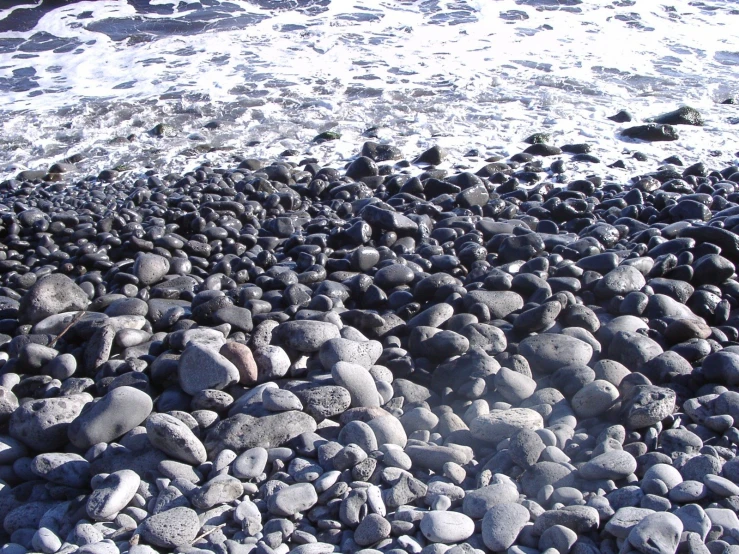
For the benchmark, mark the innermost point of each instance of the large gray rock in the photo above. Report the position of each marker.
(325, 401)
(305, 335)
(620, 281)
(548, 352)
(42, 424)
(111, 417)
(242, 432)
(53, 294)
(658, 533)
(500, 303)
(204, 368)
(171, 528)
(502, 524)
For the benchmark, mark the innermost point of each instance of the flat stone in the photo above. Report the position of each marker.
(546, 353)
(502, 424)
(242, 432)
(446, 527)
(614, 464)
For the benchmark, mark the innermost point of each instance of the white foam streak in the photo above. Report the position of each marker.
(484, 82)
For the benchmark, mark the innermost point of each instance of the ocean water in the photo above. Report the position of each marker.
(257, 77)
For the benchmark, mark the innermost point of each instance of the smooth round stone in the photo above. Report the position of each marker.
(63, 469)
(548, 352)
(594, 399)
(150, 268)
(371, 530)
(669, 475)
(112, 495)
(418, 419)
(393, 275)
(171, 528)
(502, 424)
(359, 434)
(502, 524)
(611, 371)
(364, 258)
(109, 418)
(695, 519)
(44, 540)
(174, 438)
(688, 491)
(358, 381)
(725, 518)
(446, 527)
(292, 500)
(657, 533)
(614, 464)
(204, 368)
(388, 430)
(633, 349)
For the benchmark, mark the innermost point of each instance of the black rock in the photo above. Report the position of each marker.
(433, 156)
(684, 115)
(621, 117)
(651, 132)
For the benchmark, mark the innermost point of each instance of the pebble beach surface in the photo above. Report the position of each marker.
(284, 356)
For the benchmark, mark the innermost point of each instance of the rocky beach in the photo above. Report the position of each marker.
(284, 356)
(316, 326)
